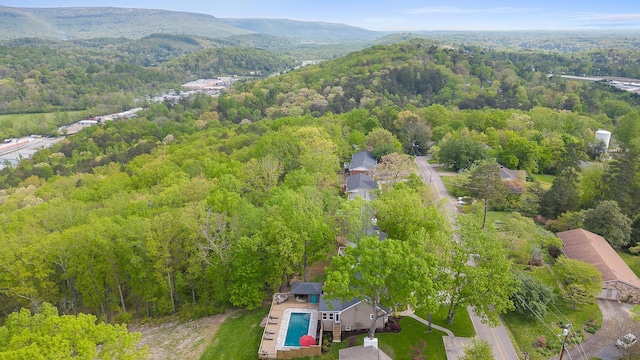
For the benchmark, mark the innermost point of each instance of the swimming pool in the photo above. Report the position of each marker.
(289, 337)
(298, 327)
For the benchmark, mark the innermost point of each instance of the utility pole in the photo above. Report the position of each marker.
(565, 333)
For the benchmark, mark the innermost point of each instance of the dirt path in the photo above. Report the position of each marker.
(179, 340)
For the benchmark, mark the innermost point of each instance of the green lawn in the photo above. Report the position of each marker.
(398, 345)
(525, 330)
(544, 180)
(632, 260)
(519, 235)
(239, 338)
(462, 325)
(26, 124)
(448, 183)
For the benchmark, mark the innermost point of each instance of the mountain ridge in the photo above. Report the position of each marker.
(72, 23)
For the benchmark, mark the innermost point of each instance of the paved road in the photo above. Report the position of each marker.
(15, 155)
(498, 337)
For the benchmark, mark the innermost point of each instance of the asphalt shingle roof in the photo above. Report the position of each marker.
(591, 248)
(306, 288)
(363, 161)
(361, 182)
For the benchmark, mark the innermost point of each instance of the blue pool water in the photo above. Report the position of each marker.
(298, 327)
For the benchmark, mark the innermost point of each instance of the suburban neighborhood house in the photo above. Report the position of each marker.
(362, 163)
(360, 185)
(360, 181)
(296, 321)
(355, 314)
(514, 180)
(619, 281)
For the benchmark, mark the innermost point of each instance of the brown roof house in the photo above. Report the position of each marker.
(619, 281)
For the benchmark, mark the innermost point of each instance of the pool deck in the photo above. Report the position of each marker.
(276, 322)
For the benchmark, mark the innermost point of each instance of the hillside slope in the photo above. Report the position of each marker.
(93, 22)
(304, 29)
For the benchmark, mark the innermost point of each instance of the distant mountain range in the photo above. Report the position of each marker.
(71, 23)
(305, 29)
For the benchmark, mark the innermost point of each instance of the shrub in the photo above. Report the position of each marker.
(541, 342)
(352, 341)
(417, 351)
(395, 327)
(326, 342)
(554, 251)
(536, 257)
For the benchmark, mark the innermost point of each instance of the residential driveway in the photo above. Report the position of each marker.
(616, 321)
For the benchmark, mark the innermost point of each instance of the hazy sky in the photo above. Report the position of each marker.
(402, 14)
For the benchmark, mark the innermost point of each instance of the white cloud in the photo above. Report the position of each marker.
(458, 10)
(610, 17)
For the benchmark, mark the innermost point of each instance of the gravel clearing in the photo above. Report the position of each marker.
(179, 340)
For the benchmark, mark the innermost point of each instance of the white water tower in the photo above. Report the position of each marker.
(605, 136)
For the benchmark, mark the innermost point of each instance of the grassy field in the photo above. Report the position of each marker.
(239, 338)
(41, 123)
(632, 260)
(448, 183)
(520, 235)
(544, 180)
(526, 330)
(461, 326)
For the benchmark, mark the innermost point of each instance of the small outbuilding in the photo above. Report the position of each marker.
(310, 291)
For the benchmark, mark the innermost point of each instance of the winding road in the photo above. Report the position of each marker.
(498, 337)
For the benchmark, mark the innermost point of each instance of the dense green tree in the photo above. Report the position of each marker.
(488, 284)
(412, 131)
(47, 335)
(532, 297)
(386, 273)
(402, 211)
(622, 183)
(460, 153)
(563, 194)
(483, 181)
(561, 197)
(382, 142)
(582, 282)
(478, 350)
(354, 218)
(520, 153)
(591, 186)
(628, 129)
(608, 221)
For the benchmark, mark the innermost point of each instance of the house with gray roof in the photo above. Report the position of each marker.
(358, 183)
(362, 163)
(310, 291)
(355, 314)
